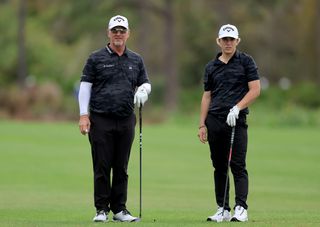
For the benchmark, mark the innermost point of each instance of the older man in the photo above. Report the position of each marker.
(114, 78)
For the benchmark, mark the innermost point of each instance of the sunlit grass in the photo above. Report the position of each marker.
(46, 176)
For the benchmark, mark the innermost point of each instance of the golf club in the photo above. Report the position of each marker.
(140, 145)
(229, 160)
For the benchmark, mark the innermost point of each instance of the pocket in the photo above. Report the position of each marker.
(242, 121)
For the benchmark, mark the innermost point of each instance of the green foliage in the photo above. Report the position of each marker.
(157, 90)
(190, 99)
(61, 34)
(274, 98)
(45, 57)
(287, 116)
(306, 95)
(8, 43)
(197, 52)
(274, 107)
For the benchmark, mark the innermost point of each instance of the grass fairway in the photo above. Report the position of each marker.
(46, 177)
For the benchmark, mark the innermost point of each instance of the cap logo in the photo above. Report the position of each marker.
(119, 19)
(228, 29)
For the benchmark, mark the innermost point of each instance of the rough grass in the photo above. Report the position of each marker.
(46, 176)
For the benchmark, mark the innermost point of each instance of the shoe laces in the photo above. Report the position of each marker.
(221, 212)
(239, 210)
(102, 212)
(125, 212)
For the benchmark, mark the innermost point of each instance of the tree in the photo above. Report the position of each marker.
(22, 60)
(170, 67)
(165, 12)
(317, 18)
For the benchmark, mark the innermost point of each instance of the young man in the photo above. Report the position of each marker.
(231, 84)
(114, 79)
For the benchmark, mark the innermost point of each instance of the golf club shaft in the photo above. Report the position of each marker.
(140, 144)
(227, 178)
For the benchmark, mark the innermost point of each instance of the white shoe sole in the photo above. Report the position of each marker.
(100, 220)
(237, 220)
(134, 220)
(220, 220)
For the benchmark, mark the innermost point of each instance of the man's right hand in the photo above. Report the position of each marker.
(84, 124)
(202, 134)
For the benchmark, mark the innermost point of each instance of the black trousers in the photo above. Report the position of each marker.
(111, 140)
(219, 136)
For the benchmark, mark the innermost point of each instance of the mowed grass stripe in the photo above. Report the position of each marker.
(46, 176)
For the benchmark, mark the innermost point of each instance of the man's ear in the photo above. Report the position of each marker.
(238, 41)
(218, 41)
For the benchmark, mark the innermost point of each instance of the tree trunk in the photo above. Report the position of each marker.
(170, 64)
(317, 17)
(143, 32)
(223, 9)
(22, 62)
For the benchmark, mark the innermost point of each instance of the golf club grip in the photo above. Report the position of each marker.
(232, 136)
(231, 144)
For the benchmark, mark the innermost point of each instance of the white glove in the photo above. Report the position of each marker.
(141, 96)
(233, 116)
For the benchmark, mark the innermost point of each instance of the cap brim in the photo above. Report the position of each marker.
(111, 27)
(225, 36)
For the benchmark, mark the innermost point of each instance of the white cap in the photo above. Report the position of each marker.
(118, 21)
(228, 30)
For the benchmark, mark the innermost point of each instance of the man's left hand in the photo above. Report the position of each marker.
(141, 96)
(233, 116)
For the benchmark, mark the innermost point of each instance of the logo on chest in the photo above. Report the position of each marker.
(108, 66)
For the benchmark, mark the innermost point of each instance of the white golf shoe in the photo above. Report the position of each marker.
(125, 216)
(218, 217)
(240, 214)
(101, 216)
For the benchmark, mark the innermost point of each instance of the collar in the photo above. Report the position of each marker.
(235, 55)
(110, 51)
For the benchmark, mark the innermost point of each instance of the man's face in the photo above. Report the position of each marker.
(228, 44)
(118, 36)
